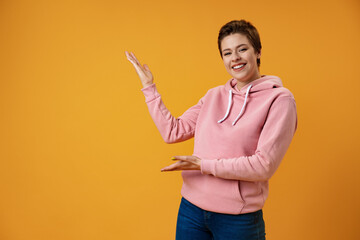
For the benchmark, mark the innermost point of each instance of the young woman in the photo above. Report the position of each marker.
(242, 130)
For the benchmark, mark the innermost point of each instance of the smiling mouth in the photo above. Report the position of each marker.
(240, 66)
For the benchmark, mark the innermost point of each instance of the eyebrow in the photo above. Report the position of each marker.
(235, 47)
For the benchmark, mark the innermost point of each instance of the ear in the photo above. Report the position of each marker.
(259, 54)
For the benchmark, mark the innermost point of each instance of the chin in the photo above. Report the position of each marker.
(241, 78)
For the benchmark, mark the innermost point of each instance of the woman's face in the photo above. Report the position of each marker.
(240, 58)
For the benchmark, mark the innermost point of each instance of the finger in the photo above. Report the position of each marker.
(146, 67)
(128, 56)
(136, 60)
(131, 59)
(139, 69)
(172, 167)
(184, 158)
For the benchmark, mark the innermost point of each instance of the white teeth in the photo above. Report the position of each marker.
(238, 66)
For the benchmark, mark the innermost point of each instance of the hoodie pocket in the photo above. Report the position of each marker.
(237, 190)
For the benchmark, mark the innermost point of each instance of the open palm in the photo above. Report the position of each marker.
(143, 71)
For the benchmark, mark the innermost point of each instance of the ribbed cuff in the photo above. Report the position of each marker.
(150, 92)
(208, 167)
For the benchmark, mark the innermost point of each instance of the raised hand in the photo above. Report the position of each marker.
(184, 163)
(144, 72)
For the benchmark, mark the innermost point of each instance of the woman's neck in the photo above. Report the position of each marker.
(241, 84)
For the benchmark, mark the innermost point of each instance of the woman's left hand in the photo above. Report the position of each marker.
(184, 163)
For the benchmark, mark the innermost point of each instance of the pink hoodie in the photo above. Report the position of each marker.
(240, 136)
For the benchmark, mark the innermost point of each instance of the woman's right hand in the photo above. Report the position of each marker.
(144, 72)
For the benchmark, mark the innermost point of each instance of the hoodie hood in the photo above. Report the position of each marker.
(263, 83)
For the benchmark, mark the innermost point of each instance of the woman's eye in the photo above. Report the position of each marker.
(226, 53)
(243, 49)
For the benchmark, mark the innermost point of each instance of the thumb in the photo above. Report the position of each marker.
(146, 67)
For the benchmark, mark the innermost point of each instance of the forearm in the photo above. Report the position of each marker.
(171, 129)
(258, 167)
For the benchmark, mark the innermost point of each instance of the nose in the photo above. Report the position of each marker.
(235, 57)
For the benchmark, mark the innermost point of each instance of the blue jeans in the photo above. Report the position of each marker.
(194, 223)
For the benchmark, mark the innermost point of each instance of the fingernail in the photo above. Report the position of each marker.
(173, 158)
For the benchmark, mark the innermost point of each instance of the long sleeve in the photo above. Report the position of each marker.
(171, 129)
(274, 140)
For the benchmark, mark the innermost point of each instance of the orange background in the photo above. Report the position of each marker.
(80, 157)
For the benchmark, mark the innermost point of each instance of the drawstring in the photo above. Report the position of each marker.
(242, 109)
(228, 109)
(229, 106)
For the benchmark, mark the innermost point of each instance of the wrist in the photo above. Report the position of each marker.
(147, 84)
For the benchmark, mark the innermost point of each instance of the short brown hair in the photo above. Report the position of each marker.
(243, 27)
